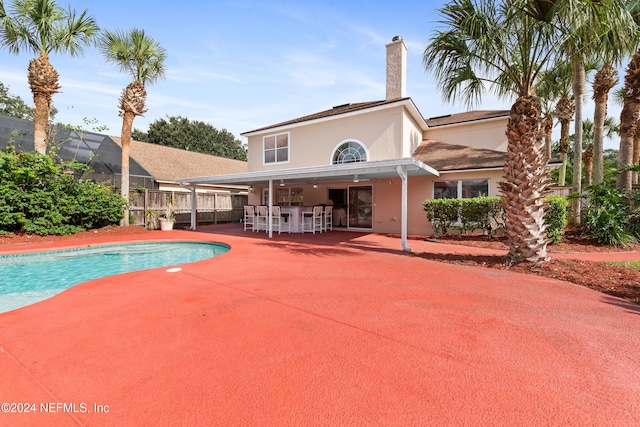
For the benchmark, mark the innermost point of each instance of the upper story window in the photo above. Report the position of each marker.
(349, 152)
(276, 148)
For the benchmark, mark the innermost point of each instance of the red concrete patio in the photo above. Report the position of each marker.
(339, 328)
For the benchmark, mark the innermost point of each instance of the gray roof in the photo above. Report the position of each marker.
(166, 164)
(98, 151)
(104, 154)
(444, 157)
(469, 116)
(335, 111)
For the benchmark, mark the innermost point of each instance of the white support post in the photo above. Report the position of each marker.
(403, 214)
(194, 208)
(270, 204)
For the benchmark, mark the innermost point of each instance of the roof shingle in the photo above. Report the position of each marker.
(168, 164)
(449, 157)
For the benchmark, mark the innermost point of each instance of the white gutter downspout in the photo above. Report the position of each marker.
(270, 208)
(194, 208)
(403, 214)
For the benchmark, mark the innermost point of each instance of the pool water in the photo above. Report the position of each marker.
(29, 278)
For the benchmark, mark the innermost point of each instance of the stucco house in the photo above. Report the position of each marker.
(376, 162)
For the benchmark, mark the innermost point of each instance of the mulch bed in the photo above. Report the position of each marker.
(610, 279)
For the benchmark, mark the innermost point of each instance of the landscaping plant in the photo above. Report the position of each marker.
(555, 217)
(40, 196)
(607, 218)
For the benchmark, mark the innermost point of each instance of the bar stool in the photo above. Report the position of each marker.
(314, 220)
(249, 217)
(261, 218)
(278, 220)
(328, 217)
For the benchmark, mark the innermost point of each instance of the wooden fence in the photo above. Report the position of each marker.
(211, 208)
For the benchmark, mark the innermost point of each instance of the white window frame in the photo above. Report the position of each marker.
(459, 186)
(275, 149)
(344, 141)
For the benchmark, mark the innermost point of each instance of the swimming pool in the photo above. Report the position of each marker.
(29, 278)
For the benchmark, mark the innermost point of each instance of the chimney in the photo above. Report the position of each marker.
(396, 69)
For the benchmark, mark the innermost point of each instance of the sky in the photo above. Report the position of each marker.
(240, 65)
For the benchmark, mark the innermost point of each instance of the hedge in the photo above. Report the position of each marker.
(488, 214)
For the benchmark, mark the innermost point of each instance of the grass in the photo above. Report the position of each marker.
(633, 265)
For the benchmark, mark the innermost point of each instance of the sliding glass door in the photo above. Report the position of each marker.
(360, 207)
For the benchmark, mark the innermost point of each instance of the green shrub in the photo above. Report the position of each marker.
(39, 196)
(442, 213)
(555, 217)
(607, 218)
(478, 213)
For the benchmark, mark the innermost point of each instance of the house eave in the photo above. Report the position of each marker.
(407, 102)
(343, 172)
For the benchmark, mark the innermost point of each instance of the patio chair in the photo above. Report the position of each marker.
(278, 220)
(312, 221)
(328, 218)
(261, 219)
(249, 217)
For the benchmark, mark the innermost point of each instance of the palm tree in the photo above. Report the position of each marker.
(43, 27)
(629, 122)
(565, 109)
(608, 128)
(547, 92)
(594, 28)
(5, 25)
(630, 114)
(143, 58)
(606, 78)
(505, 45)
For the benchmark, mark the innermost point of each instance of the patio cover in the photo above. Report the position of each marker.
(403, 168)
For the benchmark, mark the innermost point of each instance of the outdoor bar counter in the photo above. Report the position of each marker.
(295, 216)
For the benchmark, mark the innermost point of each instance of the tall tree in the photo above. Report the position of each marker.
(565, 109)
(42, 27)
(606, 78)
(548, 94)
(629, 122)
(593, 28)
(504, 44)
(13, 106)
(136, 53)
(589, 129)
(194, 135)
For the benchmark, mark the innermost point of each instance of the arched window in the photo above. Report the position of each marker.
(349, 152)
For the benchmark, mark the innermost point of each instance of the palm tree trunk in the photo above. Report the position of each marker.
(548, 132)
(636, 153)
(606, 78)
(526, 183)
(564, 148)
(578, 86)
(43, 82)
(125, 138)
(629, 121)
(40, 120)
(587, 158)
(598, 137)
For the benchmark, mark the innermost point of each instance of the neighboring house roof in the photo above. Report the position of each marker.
(344, 109)
(446, 157)
(470, 116)
(167, 164)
